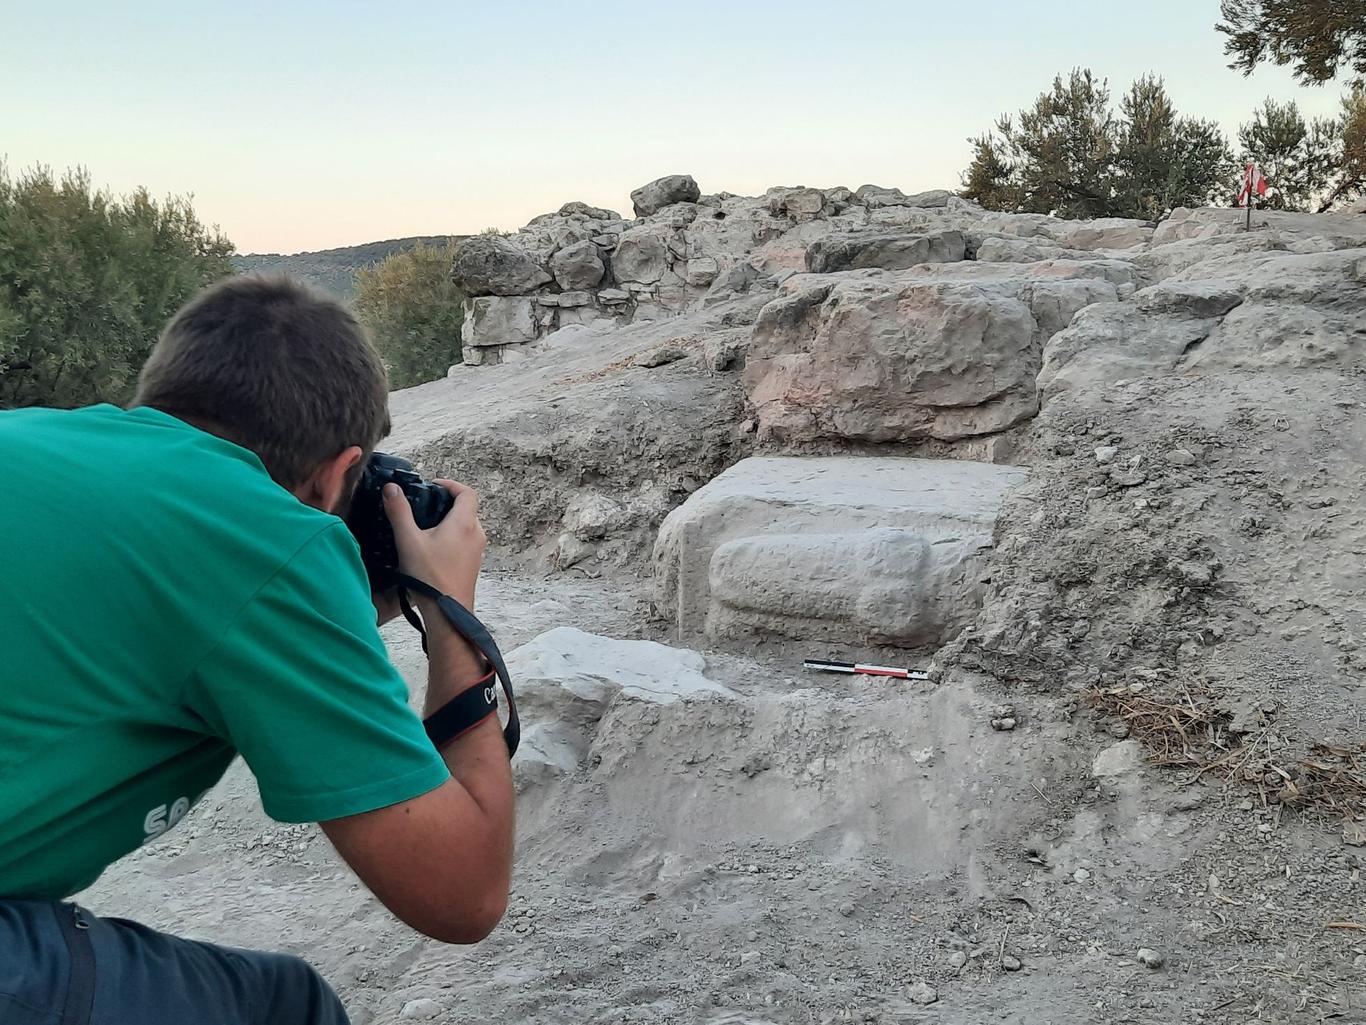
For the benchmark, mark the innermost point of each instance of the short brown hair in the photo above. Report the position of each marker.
(275, 367)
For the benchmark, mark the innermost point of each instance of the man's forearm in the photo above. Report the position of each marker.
(478, 759)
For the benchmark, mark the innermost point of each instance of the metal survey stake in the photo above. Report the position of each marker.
(825, 666)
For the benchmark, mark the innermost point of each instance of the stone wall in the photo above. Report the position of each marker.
(585, 266)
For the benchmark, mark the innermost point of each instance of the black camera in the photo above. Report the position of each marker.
(371, 527)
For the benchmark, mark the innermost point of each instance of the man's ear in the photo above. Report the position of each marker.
(326, 487)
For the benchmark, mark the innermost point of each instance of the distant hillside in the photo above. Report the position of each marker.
(331, 270)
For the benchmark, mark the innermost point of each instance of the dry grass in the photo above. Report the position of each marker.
(1189, 730)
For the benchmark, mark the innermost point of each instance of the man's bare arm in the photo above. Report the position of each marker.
(442, 862)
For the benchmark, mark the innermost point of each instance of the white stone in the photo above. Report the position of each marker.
(1122, 759)
(421, 1010)
(566, 668)
(591, 516)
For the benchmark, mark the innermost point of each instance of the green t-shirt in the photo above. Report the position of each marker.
(165, 605)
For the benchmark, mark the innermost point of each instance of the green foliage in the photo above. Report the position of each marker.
(990, 179)
(1163, 161)
(87, 281)
(1298, 159)
(1317, 37)
(1351, 177)
(1072, 155)
(413, 310)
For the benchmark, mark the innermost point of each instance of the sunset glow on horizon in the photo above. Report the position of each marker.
(319, 125)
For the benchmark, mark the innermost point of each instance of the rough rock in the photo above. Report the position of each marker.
(1150, 958)
(660, 357)
(889, 252)
(801, 204)
(1104, 233)
(424, 1009)
(923, 993)
(737, 280)
(874, 548)
(641, 257)
(1002, 249)
(498, 320)
(702, 271)
(492, 265)
(655, 196)
(591, 516)
(889, 360)
(595, 213)
(578, 266)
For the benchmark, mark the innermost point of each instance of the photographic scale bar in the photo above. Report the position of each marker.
(825, 666)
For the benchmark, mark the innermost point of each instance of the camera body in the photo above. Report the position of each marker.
(370, 526)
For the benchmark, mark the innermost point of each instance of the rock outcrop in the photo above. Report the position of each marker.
(654, 197)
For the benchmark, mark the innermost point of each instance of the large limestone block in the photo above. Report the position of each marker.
(893, 360)
(890, 252)
(491, 265)
(498, 320)
(861, 549)
(673, 188)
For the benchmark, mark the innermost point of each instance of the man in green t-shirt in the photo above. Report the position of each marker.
(177, 589)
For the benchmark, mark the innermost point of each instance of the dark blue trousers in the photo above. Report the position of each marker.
(60, 965)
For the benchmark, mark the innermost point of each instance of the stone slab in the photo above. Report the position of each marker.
(872, 549)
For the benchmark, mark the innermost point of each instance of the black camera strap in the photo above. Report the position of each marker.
(474, 705)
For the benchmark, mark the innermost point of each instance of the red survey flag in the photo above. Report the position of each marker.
(1253, 184)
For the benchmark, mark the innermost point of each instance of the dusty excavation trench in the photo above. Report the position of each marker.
(707, 833)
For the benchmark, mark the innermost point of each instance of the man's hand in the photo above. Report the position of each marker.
(449, 555)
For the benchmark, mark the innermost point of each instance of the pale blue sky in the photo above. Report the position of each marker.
(308, 125)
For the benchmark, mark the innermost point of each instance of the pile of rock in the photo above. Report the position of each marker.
(588, 266)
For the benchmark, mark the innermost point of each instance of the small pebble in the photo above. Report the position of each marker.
(1149, 958)
(923, 993)
(423, 1010)
(1246, 805)
(958, 959)
(1264, 827)
(1106, 454)
(752, 935)
(1011, 963)
(1081, 875)
(1003, 724)
(1181, 457)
